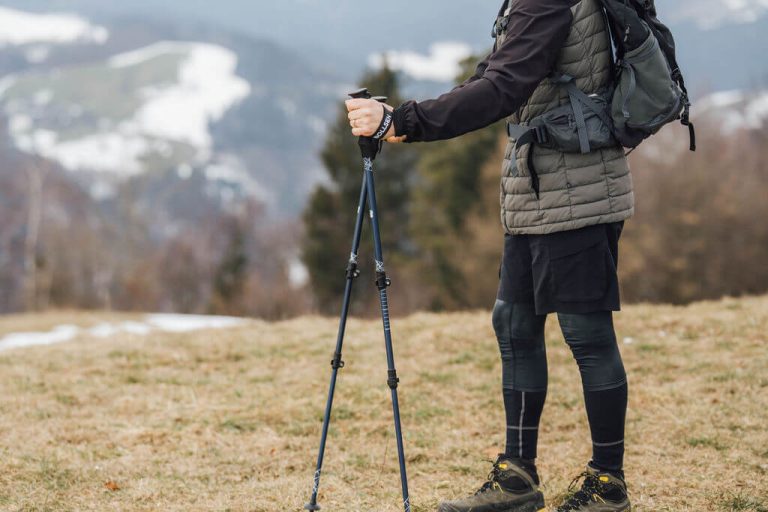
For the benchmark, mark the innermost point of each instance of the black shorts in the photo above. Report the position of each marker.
(567, 272)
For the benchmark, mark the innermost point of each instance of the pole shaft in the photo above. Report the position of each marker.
(383, 284)
(337, 363)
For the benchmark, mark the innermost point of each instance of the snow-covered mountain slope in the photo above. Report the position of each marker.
(167, 103)
(153, 103)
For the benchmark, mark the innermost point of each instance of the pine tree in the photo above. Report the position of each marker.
(231, 273)
(329, 218)
(451, 189)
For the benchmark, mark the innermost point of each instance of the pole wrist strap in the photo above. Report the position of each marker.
(386, 123)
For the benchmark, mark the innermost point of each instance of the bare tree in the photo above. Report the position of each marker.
(36, 172)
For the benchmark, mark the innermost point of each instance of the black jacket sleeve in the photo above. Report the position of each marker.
(536, 32)
(479, 72)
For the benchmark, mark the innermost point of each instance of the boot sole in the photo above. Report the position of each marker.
(628, 508)
(535, 503)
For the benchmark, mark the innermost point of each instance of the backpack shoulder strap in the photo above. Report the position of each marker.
(502, 20)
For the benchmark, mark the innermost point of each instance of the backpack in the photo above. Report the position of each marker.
(648, 90)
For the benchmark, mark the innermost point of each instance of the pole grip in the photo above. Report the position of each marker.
(361, 94)
(369, 147)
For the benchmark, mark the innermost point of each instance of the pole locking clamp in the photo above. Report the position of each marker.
(352, 271)
(382, 281)
(336, 362)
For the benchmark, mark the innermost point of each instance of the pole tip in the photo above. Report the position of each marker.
(311, 506)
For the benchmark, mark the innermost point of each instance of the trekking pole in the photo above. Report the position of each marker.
(369, 148)
(337, 363)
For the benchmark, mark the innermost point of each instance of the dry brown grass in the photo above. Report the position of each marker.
(229, 420)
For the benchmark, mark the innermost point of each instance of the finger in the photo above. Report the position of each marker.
(360, 132)
(368, 130)
(357, 114)
(357, 103)
(370, 112)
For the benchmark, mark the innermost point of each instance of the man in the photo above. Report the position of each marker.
(563, 214)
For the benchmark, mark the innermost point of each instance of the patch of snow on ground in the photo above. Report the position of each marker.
(20, 28)
(59, 334)
(151, 323)
(442, 64)
(106, 330)
(188, 323)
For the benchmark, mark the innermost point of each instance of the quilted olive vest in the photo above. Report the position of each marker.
(575, 190)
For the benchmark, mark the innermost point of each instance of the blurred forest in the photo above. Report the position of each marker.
(60, 249)
(700, 229)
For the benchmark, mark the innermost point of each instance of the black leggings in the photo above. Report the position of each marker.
(592, 339)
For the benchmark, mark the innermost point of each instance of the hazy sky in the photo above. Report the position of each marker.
(718, 43)
(405, 24)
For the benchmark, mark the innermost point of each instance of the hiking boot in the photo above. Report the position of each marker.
(512, 486)
(600, 492)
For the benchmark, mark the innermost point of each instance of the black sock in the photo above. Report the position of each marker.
(592, 339)
(523, 410)
(607, 412)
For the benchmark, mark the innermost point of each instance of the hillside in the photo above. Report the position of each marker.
(141, 103)
(229, 419)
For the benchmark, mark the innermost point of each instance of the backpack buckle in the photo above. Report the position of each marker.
(540, 134)
(500, 26)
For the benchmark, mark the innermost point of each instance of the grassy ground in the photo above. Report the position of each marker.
(229, 420)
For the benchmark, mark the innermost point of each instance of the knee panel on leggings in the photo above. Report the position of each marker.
(592, 340)
(520, 333)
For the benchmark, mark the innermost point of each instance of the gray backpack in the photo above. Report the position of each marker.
(648, 90)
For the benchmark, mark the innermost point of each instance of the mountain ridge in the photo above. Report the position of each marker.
(254, 150)
(245, 142)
